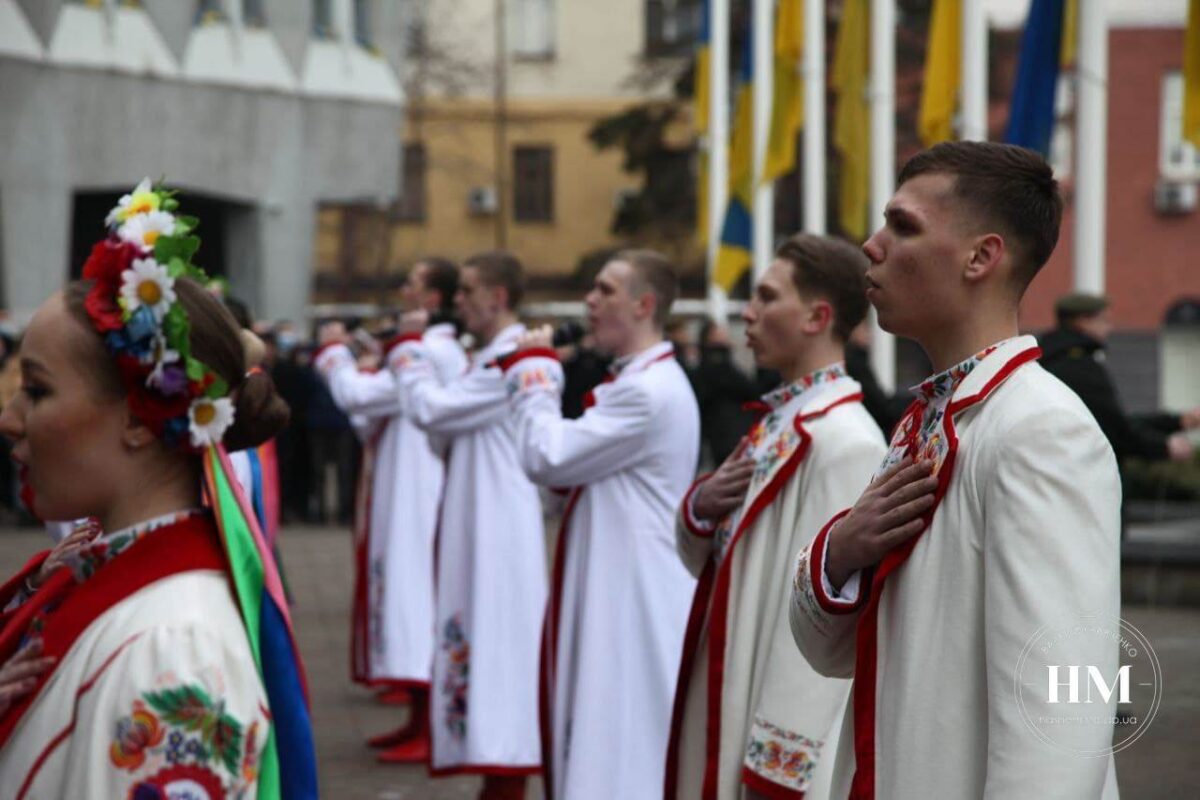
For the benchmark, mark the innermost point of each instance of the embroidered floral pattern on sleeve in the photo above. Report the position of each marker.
(106, 547)
(458, 673)
(773, 440)
(530, 379)
(180, 742)
(781, 756)
(920, 433)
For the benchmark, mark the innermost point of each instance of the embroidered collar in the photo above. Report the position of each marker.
(943, 384)
(783, 395)
(641, 360)
(106, 547)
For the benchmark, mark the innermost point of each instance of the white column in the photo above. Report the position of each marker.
(974, 54)
(1091, 178)
(883, 159)
(718, 146)
(814, 117)
(764, 90)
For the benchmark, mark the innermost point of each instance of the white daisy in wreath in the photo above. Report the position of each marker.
(144, 229)
(147, 283)
(208, 419)
(142, 200)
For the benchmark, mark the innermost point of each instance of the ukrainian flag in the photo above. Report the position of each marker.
(939, 96)
(787, 112)
(701, 92)
(851, 125)
(734, 256)
(1046, 44)
(1191, 75)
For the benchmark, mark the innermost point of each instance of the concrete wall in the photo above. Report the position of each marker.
(68, 129)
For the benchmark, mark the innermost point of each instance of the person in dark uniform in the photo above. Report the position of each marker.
(1074, 353)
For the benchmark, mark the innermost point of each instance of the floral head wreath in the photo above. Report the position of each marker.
(133, 305)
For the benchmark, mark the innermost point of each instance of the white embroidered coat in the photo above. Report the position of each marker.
(406, 491)
(1025, 534)
(110, 716)
(750, 711)
(491, 567)
(620, 596)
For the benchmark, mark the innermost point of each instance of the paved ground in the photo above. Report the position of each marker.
(1162, 764)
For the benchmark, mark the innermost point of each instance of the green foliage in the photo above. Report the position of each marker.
(189, 707)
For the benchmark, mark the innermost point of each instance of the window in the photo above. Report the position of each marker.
(672, 26)
(411, 207)
(533, 184)
(1178, 159)
(210, 11)
(531, 28)
(362, 24)
(323, 19)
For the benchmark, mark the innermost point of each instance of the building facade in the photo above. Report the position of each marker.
(258, 111)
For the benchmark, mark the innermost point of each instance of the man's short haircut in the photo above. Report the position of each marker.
(501, 268)
(832, 269)
(1008, 188)
(441, 274)
(653, 272)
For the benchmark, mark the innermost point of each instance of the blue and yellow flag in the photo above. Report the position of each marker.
(787, 111)
(851, 125)
(1031, 115)
(943, 76)
(735, 254)
(1191, 75)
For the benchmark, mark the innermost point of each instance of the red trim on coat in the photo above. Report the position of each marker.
(191, 544)
(325, 348)
(485, 769)
(509, 361)
(718, 619)
(816, 560)
(768, 788)
(399, 683)
(360, 648)
(403, 338)
(53, 744)
(685, 511)
(17, 584)
(549, 648)
(867, 634)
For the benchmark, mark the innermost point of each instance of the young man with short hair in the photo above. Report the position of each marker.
(615, 622)
(993, 519)
(491, 553)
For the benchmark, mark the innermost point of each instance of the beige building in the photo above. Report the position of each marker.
(569, 63)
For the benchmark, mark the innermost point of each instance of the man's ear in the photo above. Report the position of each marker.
(820, 317)
(647, 304)
(985, 258)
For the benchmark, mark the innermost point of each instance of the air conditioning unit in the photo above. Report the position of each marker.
(481, 201)
(1171, 197)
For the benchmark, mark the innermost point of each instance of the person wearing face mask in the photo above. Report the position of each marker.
(993, 518)
(752, 718)
(151, 656)
(615, 622)
(491, 555)
(406, 473)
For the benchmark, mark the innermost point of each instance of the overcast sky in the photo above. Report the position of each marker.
(1010, 13)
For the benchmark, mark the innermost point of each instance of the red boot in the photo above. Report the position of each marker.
(503, 787)
(395, 696)
(413, 750)
(410, 744)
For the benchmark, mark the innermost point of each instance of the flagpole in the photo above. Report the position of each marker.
(1091, 181)
(883, 160)
(718, 148)
(974, 54)
(764, 93)
(814, 117)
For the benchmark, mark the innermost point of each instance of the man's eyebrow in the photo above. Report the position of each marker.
(33, 364)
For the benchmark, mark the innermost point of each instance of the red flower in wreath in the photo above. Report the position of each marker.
(104, 266)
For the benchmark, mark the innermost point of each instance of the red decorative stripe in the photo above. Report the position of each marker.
(325, 348)
(53, 744)
(867, 635)
(396, 341)
(485, 769)
(816, 560)
(549, 648)
(768, 788)
(691, 646)
(512, 359)
(685, 511)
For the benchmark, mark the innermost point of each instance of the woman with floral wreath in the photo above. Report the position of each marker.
(151, 657)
